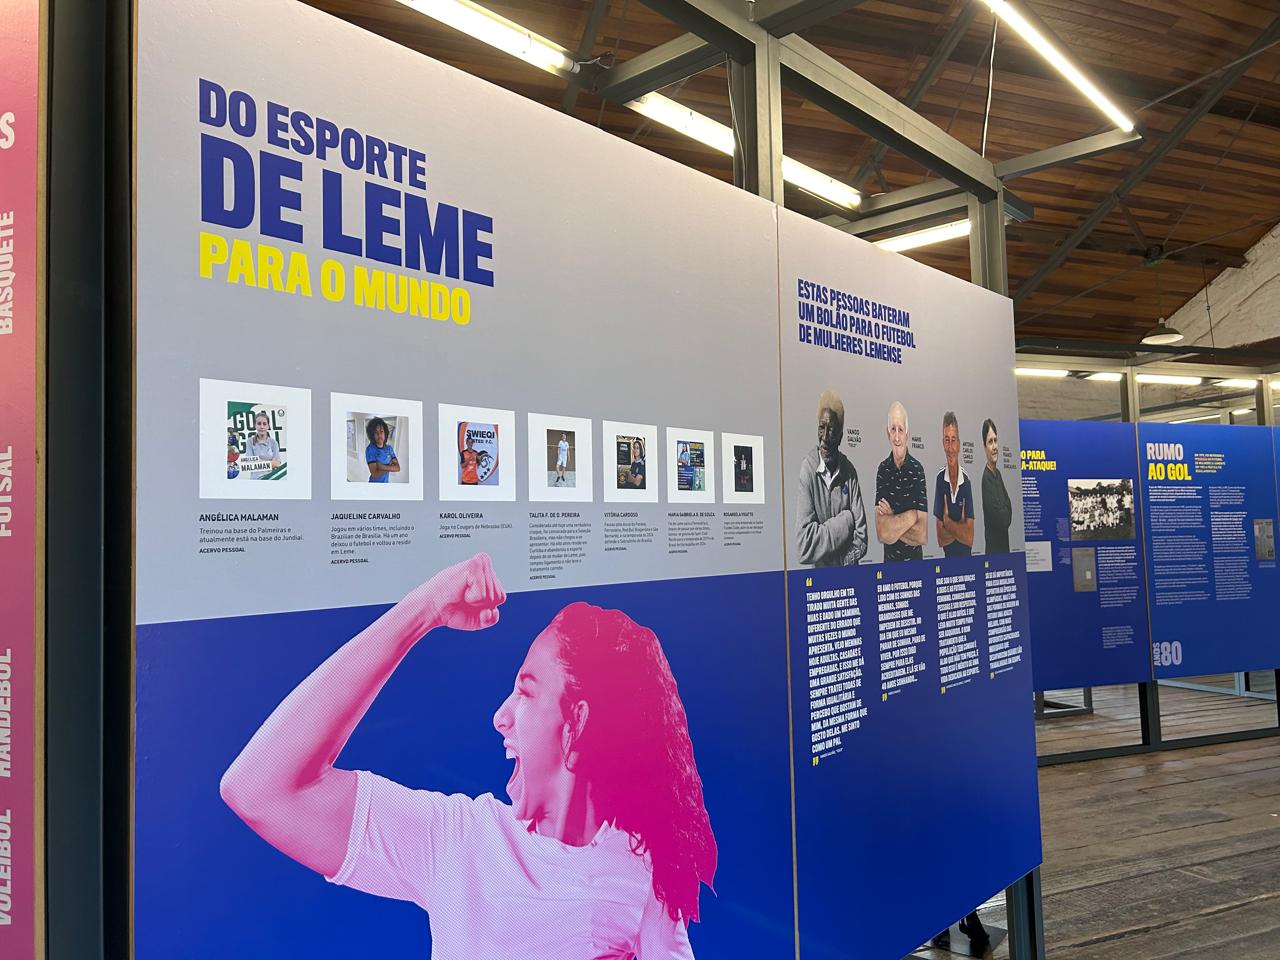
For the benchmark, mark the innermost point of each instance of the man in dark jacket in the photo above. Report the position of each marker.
(831, 524)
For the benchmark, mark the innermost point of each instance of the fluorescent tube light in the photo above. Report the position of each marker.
(1242, 411)
(1041, 372)
(1240, 382)
(819, 184)
(1110, 376)
(488, 27)
(1208, 416)
(1027, 30)
(719, 137)
(1169, 380)
(923, 238)
(667, 112)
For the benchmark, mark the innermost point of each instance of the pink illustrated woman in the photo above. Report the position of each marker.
(605, 843)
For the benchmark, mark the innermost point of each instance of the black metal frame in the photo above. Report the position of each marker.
(1152, 741)
(119, 486)
(88, 505)
(1056, 709)
(75, 470)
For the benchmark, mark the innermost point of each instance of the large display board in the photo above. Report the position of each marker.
(1209, 502)
(908, 630)
(469, 476)
(1085, 575)
(19, 404)
(577, 381)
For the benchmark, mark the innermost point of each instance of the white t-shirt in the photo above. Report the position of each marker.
(495, 891)
(562, 455)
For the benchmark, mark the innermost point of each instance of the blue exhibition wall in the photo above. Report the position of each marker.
(915, 783)
(1086, 586)
(1209, 499)
(913, 768)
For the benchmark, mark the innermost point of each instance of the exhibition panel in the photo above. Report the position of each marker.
(475, 576)
(910, 676)
(21, 392)
(1085, 574)
(1209, 502)
(433, 347)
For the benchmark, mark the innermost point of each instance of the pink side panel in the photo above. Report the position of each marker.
(19, 87)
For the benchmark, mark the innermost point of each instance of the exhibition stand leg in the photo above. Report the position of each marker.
(1152, 739)
(1026, 918)
(1047, 709)
(1240, 687)
(970, 938)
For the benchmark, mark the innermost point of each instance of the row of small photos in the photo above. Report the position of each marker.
(255, 443)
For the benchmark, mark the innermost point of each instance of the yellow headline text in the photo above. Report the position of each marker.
(268, 267)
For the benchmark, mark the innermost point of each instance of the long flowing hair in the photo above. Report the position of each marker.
(635, 750)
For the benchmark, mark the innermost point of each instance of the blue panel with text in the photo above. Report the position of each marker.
(910, 697)
(1087, 589)
(1209, 502)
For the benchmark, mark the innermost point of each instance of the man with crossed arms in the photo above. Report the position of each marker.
(902, 495)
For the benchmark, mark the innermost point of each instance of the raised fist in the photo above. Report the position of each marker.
(465, 596)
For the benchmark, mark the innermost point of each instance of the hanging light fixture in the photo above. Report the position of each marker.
(1162, 333)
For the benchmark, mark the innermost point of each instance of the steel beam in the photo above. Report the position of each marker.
(1081, 149)
(906, 219)
(757, 98)
(654, 69)
(783, 17)
(1047, 347)
(937, 61)
(833, 86)
(1015, 207)
(908, 197)
(715, 22)
(912, 208)
(595, 16)
(1129, 218)
(1158, 153)
(1120, 243)
(694, 52)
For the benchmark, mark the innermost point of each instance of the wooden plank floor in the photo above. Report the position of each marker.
(1172, 855)
(1167, 856)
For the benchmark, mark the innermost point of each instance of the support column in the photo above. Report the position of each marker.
(755, 91)
(1149, 692)
(75, 471)
(1025, 912)
(1263, 402)
(988, 266)
(1264, 398)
